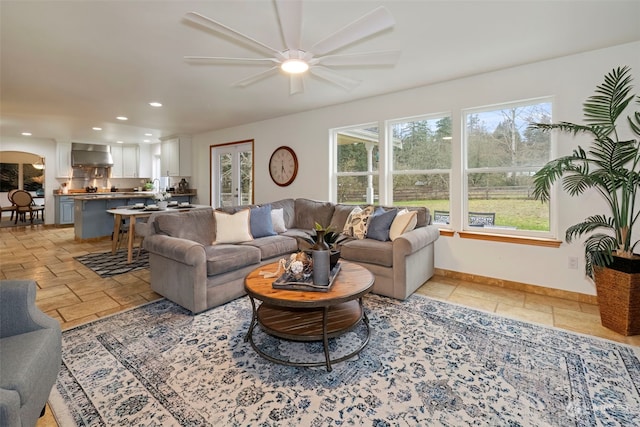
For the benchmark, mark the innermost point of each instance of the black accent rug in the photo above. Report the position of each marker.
(107, 264)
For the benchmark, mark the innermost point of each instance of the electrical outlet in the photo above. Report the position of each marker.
(573, 262)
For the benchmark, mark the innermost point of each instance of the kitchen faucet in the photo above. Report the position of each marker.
(158, 187)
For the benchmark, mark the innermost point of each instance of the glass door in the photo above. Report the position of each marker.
(232, 174)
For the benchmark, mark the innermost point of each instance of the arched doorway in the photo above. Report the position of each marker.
(23, 171)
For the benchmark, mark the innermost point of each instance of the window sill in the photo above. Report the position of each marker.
(521, 240)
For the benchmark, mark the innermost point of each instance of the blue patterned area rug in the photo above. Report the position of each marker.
(428, 363)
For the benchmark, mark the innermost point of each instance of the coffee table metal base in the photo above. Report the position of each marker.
(319, 324)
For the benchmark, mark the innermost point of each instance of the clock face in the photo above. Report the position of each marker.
(283, 166)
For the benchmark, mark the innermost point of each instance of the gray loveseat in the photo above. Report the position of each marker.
(189, 269)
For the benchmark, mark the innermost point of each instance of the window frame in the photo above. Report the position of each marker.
(466, 171)
(376, 174)
(391, 171)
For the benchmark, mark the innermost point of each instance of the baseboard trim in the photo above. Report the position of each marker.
(518, 286)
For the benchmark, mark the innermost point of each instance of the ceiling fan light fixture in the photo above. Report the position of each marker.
(294, 66)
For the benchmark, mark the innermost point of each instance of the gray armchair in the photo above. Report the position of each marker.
(30, 354)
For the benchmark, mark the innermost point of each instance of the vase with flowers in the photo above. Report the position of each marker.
(162, 198)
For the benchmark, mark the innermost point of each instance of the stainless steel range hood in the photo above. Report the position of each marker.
(91, 155)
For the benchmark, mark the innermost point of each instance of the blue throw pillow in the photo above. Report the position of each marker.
(260, 222)
(380, 223)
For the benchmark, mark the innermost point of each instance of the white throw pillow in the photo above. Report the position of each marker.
(232, 228)
(404, 221)
(277, 218)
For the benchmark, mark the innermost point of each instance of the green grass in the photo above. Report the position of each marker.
(519, 213)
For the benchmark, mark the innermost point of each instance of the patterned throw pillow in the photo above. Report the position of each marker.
(405, 221)
(232, 228)
(356, 224)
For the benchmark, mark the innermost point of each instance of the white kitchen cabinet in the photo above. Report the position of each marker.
(125, 161)
(130, 161)
(63, 157)
(145, 161)
(175, 157)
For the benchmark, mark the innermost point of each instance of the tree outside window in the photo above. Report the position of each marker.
(502, 154)
(422, 162)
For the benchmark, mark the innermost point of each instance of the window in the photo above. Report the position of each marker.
(421, 170)
(501, 156)
(9, 173)
(357, 164)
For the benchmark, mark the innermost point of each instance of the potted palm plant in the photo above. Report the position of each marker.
(610, 166)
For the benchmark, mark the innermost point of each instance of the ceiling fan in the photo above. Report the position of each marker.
(296, 61)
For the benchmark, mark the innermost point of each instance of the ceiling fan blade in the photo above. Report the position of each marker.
(386, 57)
(226, 60)
(209, 23)
(296, 84)
(256, 77)
(290, 16)
(373, 22)
(333, 77)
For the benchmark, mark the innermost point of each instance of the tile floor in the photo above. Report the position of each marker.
(74, 294)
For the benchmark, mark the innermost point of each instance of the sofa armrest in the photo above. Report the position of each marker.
(415, 240)
(184, 251)
(9, 408)
(19, 313)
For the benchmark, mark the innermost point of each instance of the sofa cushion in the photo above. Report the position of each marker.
(197, 225)
(232, 228)
(356, 224)
(224, 258)
(310, 212)
(260, 222)
(273, 246)
(380, 223)
(288, 211)
(369, 251)
(339, 218)
(403, 222)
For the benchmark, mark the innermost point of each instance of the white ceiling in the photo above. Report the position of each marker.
(67, 66)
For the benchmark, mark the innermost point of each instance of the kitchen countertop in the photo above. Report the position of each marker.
(119, 195)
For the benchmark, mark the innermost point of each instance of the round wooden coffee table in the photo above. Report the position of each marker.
(306, 315)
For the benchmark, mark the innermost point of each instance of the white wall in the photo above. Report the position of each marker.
(570, 80)
(44, 148)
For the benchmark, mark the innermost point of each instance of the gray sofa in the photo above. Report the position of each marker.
(30, 354)
(189, 269)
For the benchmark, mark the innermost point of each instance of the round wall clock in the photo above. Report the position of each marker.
(283, 166)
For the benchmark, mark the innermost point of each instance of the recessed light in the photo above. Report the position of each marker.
(155, 104)
(119, 142)
(26, 133)
(122, 118)
(148, 134)
(96, 128)
(146, 140)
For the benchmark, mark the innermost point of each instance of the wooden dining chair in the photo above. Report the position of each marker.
(23, 203)
(12, 207)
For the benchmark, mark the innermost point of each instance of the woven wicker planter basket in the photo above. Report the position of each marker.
(619, 297)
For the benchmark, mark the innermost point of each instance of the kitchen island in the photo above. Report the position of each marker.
(91, 219)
